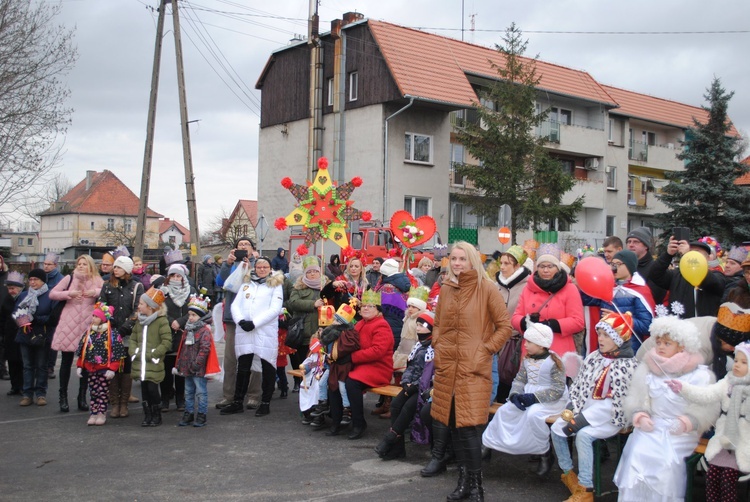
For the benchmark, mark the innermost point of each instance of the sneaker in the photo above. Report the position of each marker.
(223, 403)
(187, 419)
(252, 404)
(306, 419)
(51, 374)
(320, 409)
(346, 417)
(92, 419)
(200, 420)
(295, 389)
(284, 394)
(318, 423)
(101, 419)
(26, 401)
(41, 401)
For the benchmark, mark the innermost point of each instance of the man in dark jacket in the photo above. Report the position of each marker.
(733, 269)
(280, 262)
(696, 302)
(641, 242)
(373, 276)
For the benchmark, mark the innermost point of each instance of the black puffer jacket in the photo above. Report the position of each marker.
(416, 364)
(708, 295)
(179, 314)
(124, 298)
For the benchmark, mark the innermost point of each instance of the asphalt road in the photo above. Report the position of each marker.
(49, 455)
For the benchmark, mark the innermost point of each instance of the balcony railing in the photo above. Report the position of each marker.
(638, 150)
(550, 131)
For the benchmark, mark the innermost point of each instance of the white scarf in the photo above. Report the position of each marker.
(31, 302)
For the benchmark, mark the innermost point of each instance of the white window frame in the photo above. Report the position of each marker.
(127, 224)
(409, 141)
(330, 92)
(353, 86)
(110, 224)
(611, 127)
(612, 176)
(455, 148)
(410, 204)
(20, 241)
(556, 112)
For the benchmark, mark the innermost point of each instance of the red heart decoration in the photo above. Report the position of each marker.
(425, 225)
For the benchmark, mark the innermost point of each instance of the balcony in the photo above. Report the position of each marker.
(592, 190)
(549, 130)
(638, 150)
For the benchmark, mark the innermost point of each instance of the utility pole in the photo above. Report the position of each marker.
(315, 136)
(195, 244)
(140, 235)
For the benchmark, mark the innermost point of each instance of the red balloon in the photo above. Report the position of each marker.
(595, 278)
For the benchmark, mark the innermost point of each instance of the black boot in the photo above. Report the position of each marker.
(146, 415)
(440, 437)
(155, 415)
(385, 444)
(232, 408)
(240, 389)
(318, 423)
(474, 482)
(263, 410)
(200, 420)
(486, 453)
(545, 463)
(82, 406)
(398, 450)
(187, 419)
(64, 406)
(462, 488)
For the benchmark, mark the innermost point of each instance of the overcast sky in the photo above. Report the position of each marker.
(115, 39)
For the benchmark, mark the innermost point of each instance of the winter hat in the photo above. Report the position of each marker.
(418, 297)
(389, 267)
(629, 258)
(310, 263)
(206, 257)
(178, 269)
(198, 304)
(108, 258)
(52, 257)
(681, 331)
(619, 327)
(743, 347)
(39, 274)
(174, 256)
(154, 298)
(14, 279)
(732, 324)
(103, 311)
(345, 314)
(244, 238)
(643, 234)
(217, 257)
(738, 254)
(538, 333)
(518, 254)
(702, 245)
(426, 320)
(124, 263)
(548, 253)
(371, 297)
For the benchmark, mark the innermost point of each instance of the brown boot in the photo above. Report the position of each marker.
(114, 396)
(570, 480)
(125, 387)
(582, 494)
(385, 408)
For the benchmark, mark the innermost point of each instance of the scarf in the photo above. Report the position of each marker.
(311, 283)
(675, 366)
(260, 280)
(553, 285)
(178, 292)
(514, 279)
(417, 347)
(739, 405)
(191, 328)
(543, 355)
(145, 320)
(31, 302)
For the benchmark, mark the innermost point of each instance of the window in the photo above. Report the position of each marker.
(568, 166)
(644, 185)
(417, 206)
(92, 225)
(29, 241)
(457, 214)
(611, 179)
(128, 225)
(610, 225)
(489, 221)
(330, 92)
(20, 241)
(631, 200)
(353, 85)
(418, 148)
(457, 157)
(110, 224)
(172, 240)
(561, 115)
(649, 138)
(609, 134)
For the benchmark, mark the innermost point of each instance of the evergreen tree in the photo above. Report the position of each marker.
(704, 196)
(515, 167)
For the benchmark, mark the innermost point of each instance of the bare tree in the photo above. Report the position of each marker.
(51, 192)
(117, 235)
(35, 56)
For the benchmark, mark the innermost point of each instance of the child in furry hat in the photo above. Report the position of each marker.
(728, 451)
(538, 391)
(667, 427)
(596, 395)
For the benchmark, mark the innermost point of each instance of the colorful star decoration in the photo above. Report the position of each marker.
(323, 208)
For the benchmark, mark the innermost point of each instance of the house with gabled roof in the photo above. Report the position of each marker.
(392, 99)
(99, 212)
(241, 222)
(174, 233)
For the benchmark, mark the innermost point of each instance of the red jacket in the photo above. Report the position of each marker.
(373, 362)
(565, 307)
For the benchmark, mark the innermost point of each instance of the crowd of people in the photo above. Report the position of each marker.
(661, 356)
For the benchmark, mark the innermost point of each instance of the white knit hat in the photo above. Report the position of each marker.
(538, 333)
(743, 347)
(389, 267)
(124, 263)
(680, 330)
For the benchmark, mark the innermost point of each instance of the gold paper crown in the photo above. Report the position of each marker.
(420, 293)
(345, 314)
(198, 304)
(371, 297)
(619, 327)
(568, 259)
(733, 317)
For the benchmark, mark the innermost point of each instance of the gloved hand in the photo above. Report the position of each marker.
(575, 425)
(534, 317)
(79, 372)
(175, 372)
(527, 399)
(553, 324)
(516, 400)
(247, 325)
(426, 395)
(643, 421)
(675, 386)
(680, 425)
(109, 374)
(410, 389)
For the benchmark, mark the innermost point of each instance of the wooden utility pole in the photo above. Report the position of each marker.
(140, 229)
(195, 244)
(315, 136)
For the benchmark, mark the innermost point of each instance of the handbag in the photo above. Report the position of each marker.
(295, 332)
(37, 335)
(54, 316)
(509, 359)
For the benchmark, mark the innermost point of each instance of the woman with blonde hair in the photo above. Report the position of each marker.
(79, 291)
(471, 325)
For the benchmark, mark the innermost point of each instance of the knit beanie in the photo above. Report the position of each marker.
(643, 234)
(103, 311)
(538, 333)
(244, 238)
(629, 258)
(39, 274)
(124, 263)
(426, 320)
(178, 269)
(389, 267)
(743, 347)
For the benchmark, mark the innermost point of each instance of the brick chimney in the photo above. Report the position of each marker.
(352, 17)
(89, 176)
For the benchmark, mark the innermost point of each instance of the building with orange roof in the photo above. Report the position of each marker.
(392, 99)
(174, 233)
(99, 212)
(240, 223)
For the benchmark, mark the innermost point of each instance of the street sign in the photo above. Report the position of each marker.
(505, 214)
(503, 235)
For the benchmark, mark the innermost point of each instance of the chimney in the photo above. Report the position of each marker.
(89, 176)
(352, 17)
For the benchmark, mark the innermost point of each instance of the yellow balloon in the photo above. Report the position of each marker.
(694, 267)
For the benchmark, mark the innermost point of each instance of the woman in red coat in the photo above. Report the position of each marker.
(550, 298)
(373, 362)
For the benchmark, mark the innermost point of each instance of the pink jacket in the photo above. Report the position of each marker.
(76, 315)
(565, 307)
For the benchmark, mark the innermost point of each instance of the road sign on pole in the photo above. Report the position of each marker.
(503, 235)
(505, 214)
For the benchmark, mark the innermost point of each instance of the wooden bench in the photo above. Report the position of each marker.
(386, 390)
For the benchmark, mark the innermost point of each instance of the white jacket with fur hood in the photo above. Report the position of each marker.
(262, 304)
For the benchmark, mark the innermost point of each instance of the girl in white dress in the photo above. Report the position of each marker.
(667, 427)
(538, 391)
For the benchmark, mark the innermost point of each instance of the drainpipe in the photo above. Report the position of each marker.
(385, 159)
